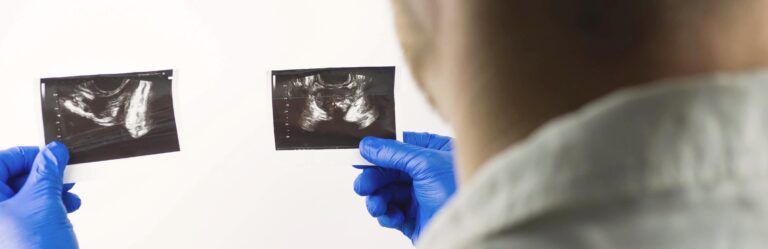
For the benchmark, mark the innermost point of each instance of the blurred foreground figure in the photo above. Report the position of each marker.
(581, 124)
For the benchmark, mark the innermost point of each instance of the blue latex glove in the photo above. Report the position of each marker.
(410, 182)
(34, 202)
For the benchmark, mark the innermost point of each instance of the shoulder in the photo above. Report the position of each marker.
(653, 167)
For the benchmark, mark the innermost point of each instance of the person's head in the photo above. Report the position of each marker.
(518, 63)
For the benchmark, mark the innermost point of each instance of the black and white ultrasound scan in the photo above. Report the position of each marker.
(332, 108)
(105, 117)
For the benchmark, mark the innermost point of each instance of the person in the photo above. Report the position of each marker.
(581, 124)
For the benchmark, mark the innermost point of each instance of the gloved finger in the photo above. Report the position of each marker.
(409, 229)
(17, 182)
(6, 192)
(374, 178)
(71, 201)
(399, 193)
(68, 187)
(16, 161)
(392, 154)
(361, 166)
(47, 174)
(394, 218)
(378, 203)
(428, 140)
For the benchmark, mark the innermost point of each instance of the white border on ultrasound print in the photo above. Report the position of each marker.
(397, 88)
(357, 159)
(88, 171)
(176, 95)
(268, 102)
(39, 126)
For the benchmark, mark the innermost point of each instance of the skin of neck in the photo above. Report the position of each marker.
(497, 82)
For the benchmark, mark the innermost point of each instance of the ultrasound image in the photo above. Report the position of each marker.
(332, 108)
(104, 117)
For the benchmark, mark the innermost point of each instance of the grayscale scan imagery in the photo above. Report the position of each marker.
(104, 117)
(332, 108)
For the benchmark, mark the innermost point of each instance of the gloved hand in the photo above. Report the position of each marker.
(410, 182)
(34, 202)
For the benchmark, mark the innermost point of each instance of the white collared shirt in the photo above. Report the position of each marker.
(680, 163)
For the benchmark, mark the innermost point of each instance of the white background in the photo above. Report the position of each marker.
(228, 188)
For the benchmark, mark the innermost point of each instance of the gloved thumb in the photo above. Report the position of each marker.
(47, 173)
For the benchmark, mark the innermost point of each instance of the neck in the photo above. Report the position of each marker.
(480, 135)
(485, 124)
